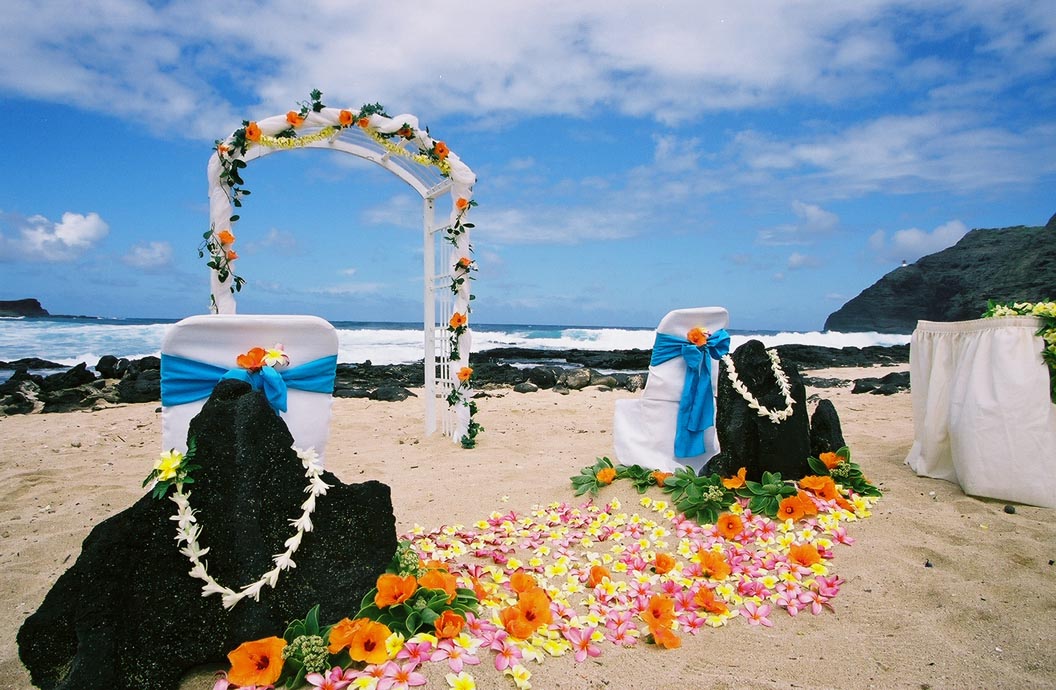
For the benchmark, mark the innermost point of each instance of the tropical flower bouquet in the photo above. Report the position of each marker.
(1044, 310)
(514, 590)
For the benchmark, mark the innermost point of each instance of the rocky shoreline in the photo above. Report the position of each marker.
(115, 381)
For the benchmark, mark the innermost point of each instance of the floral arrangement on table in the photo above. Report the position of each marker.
(568, 580)
(1044, 310)
(314, 122)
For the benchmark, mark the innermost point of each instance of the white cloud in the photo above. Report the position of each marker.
(813, 221)
(39, 239)
(797, 261)
(149, 255)
(912, 243)
(348, 289)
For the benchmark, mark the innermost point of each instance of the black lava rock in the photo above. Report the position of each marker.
(890, 384)
(140, 386)
(110, 367)
(544, 377)
(749, 440)
(826, 436)
(391, 394)
(127, 616)
(77, 376)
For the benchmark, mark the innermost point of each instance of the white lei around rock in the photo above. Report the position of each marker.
(776, 416)
(188, 529)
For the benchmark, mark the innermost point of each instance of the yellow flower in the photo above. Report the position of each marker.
(168, 464)
(461, 681)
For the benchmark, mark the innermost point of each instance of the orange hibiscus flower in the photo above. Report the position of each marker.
(252, 360)
(448, 625)
(344, 118)
(294, 118)
(713, 565)
(368, 644)
(808, 504)
(736, 481)
(393, 589)
(598, 574)
(440, 579)
(705, 599)
(225, 237)
(790, 508)
(660, 477)
(461, 203)
(605, 476)
(805, 555)
(532, 610)
(231, 255)
(465, 263)
(663, 563)
(441, 150)
(730, 526)
(253, 131)
(464, 373)
(698, 336)
(666, 638)
(521, 581)
(458, 320)
(830, 459)
(660, 613)
(258, 662)
(405, 132)
(343, 632)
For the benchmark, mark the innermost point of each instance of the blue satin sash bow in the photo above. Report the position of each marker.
(185, 380)
(696, 408)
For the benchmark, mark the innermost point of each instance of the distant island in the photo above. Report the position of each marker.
(22, 307)
(1016, 264)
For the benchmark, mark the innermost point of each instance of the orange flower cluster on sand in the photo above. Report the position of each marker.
(825, 489)
(805, 555)
(438, 578)
(598, 574)
(705, 599)
(736, 481)
(713, 565)
(830, 459)
(394, 589)
(730, 526)
(660, 477)
(606, 475)
(531, 611)
(659, 616)
(663, 563)
(258, 662)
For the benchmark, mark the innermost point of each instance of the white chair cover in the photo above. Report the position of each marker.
(218, 339)
(982, 416)
(643, 430)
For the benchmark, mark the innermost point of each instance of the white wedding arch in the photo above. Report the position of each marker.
(401, 146)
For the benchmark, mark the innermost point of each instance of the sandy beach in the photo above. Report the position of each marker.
(982, 616)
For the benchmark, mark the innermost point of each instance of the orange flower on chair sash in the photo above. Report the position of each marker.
(698, 336)
(252, 360)
(231, 255)
(258, 662)
(394, 589)
(461, 203)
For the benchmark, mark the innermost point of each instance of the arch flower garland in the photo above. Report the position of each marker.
(401, 135)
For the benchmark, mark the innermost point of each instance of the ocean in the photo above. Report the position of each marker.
(69, 341)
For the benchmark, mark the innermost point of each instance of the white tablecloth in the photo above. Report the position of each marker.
(982, 416)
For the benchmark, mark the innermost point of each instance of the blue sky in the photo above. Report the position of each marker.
(775, 158)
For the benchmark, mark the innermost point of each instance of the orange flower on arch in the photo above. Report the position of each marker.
(730, 526)
(461, 203)
(294, 118)
(253, 131)
(598, 574)
(252, 360)
(405, 132)
(258, 662)
(737, 480)
(225, 237)
(448, 625)
(790, 508)
(464, 373)
(465, 263)
(363, 122)
(805, 555)
(713, 565)
(663, 563)
(368, 644)
(440, 579)
(521, 581)
(698, 336)
(231, 255)
(458, 320)
(343, 632)
(394, 589)
(441, 150)
(605, 476)
(344, 118)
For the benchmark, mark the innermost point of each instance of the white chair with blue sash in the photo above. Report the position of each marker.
(672, 424)
(199, 351)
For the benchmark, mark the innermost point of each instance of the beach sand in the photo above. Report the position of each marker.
(982, 616)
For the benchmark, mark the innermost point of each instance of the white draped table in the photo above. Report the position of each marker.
(982, 416)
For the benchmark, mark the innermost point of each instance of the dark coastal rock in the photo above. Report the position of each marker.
(544, 377)
(606, 380)
(749, 440)
(577, 379)
(14, 383)
(826, 436)
(890, 384)
(391, 394)
(1005, 265)
(351, 393)
(807, 357)
(127, 616)
(22, 307)
(18, 402)
(77, 376)
(525, 387)
(31, 363)
(817, 382)
(138, 366)
(140, 385)
(110, 367)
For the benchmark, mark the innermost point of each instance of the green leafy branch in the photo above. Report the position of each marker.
(587, 479)
(765, 496)
(846, 472)
(699, 498)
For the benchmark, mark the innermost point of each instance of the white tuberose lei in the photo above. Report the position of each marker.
(188, 529)
(776, 416)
